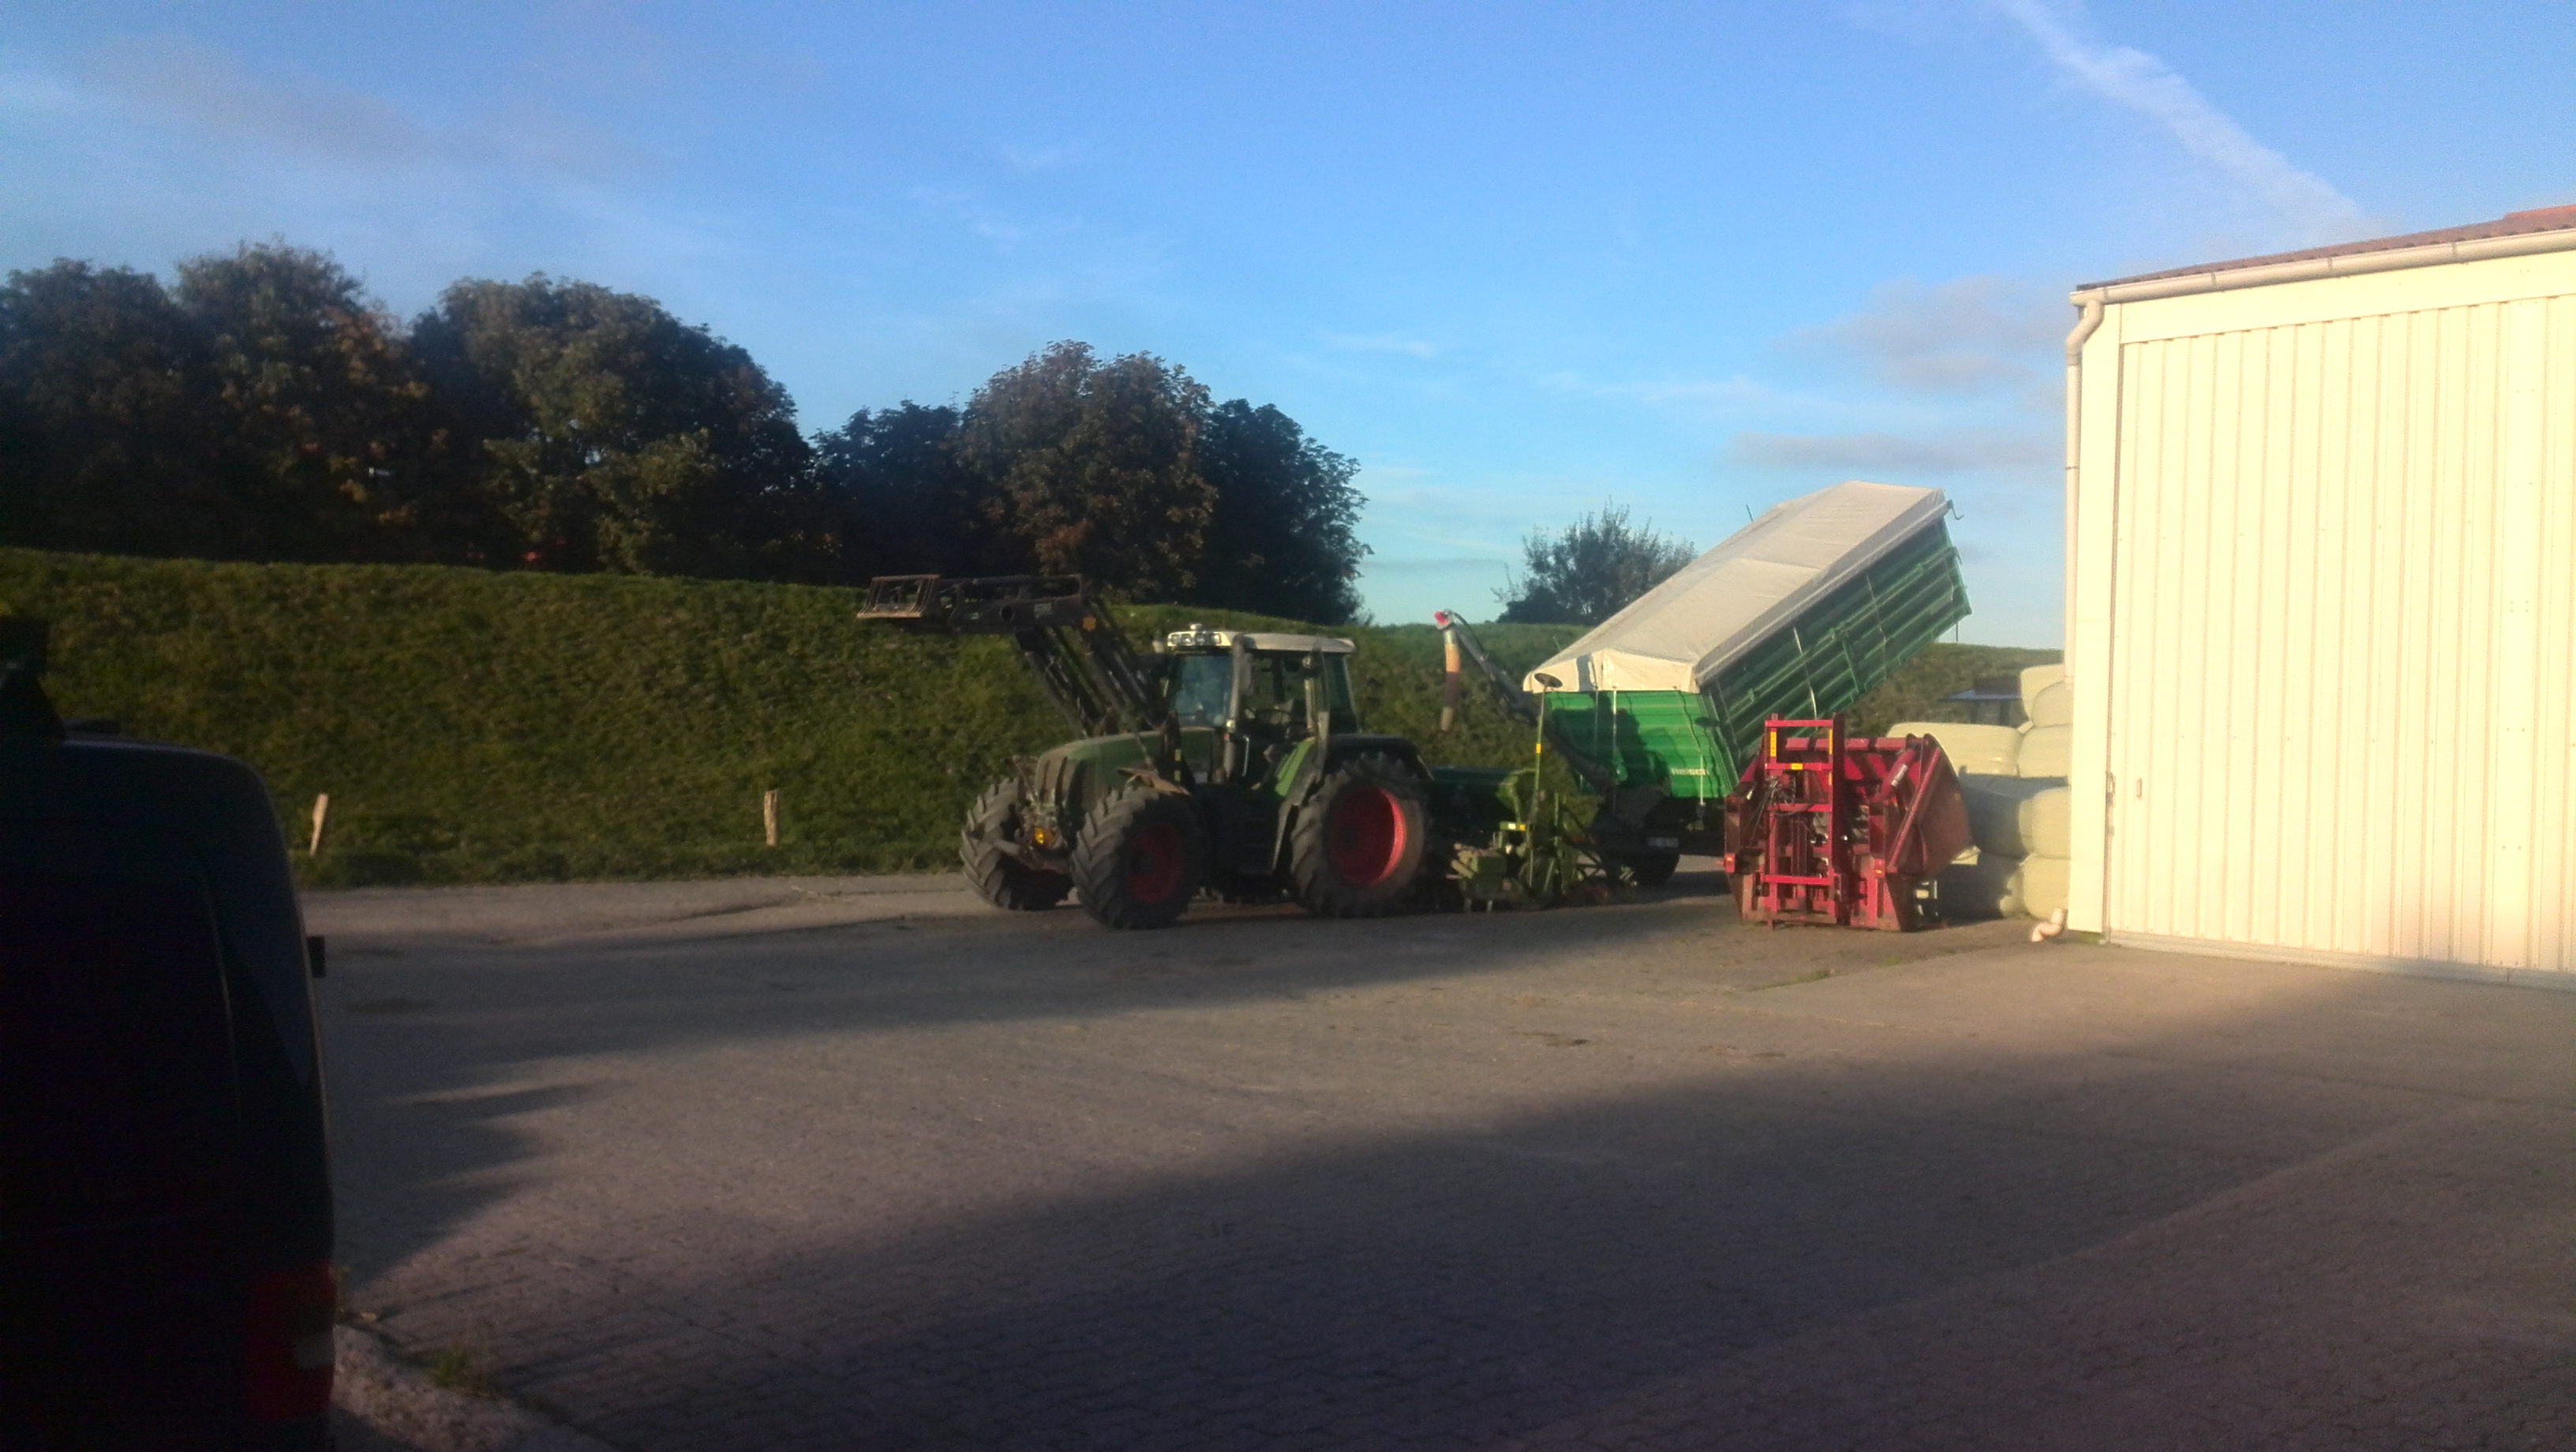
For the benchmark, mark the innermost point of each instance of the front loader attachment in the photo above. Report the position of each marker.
(1083, 663)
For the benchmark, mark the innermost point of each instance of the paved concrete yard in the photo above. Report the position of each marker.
(857, 1164)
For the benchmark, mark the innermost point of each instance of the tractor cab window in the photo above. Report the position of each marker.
(1337, 692)
(1277, 697)
(1202, 686)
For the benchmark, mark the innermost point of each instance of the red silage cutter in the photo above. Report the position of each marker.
(1831, 829)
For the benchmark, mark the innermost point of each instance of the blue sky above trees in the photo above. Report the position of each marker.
(1514, 258)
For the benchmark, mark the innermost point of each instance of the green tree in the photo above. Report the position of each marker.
(1092, 466)
(608, 435)
(1281, 541)
(1588, 571)
(902, 502)
(319, 418)
(104, 434)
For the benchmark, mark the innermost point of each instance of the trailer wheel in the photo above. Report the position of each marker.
(1141, 859)
(1650, 869)
(998, 877)
(1357, 845)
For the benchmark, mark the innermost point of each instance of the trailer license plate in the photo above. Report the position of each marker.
(1663, 841)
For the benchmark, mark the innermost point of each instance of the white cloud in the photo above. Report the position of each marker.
(1952, 452)
(207, 91)
(1966, 335)
(2146, 85)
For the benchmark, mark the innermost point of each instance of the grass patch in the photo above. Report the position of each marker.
(479, 727)
(464, 1367)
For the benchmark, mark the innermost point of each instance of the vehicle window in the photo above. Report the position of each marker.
(1201, 685)
(1337, 693)
(1278, 694)
(116, 1073)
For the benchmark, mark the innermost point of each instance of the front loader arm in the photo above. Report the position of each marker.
(1082, 661)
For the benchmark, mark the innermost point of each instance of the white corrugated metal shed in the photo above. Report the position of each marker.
(2321, 571)
(1680, 634)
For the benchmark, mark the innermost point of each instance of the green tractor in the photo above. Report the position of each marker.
(1222, 760)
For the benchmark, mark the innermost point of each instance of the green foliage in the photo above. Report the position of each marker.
(1914, 692)
(102, 434)
(901, 502)
(265, 408)
(1591, 569)
(479, 727)
(613, 436)
(316, 409)
(1120, 470)
(1282, 539)
(1093, 467)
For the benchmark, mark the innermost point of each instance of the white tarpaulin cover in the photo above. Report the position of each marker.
(1680, 634)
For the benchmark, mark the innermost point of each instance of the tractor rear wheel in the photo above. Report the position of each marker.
(998, 877)
(1141, 859)
(1357, 845)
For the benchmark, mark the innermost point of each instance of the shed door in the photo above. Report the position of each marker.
(2343, 660)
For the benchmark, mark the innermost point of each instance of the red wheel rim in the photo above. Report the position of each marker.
(1364, 838)
(1154, 862)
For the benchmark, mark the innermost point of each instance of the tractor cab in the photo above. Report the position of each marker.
(1243, 699)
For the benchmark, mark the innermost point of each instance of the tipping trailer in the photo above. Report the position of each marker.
(1662, 710)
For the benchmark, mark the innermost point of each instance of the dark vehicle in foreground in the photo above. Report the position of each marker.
(165, 1199)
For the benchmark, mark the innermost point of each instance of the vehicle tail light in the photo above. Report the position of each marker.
(291, 1315)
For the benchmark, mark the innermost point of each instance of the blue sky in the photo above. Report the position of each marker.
(1516, 259)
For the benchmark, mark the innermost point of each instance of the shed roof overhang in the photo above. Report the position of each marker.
(2516, 234)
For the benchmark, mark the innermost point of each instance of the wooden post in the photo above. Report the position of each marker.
(321, 814)
(769, 814)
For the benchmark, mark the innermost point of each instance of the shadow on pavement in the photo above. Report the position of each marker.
(1855, 1238)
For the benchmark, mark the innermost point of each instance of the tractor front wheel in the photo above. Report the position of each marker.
(1357, 845)
(998, 877)
(1141, 859)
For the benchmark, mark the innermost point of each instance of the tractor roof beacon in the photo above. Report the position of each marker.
(1230, 761)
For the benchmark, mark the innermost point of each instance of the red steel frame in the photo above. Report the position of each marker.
(1851, 832)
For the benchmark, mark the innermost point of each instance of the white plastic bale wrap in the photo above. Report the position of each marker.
(2040, 886)
(2048, 751)
(2035, 679)
(2054, 705)
(2017, 816)
(2048, 823)
(1991, 750)
(1679, 635)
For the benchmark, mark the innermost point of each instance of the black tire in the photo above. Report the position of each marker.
(1651, 869)
(1141, 859)
(1357, 845)
(998, 877)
